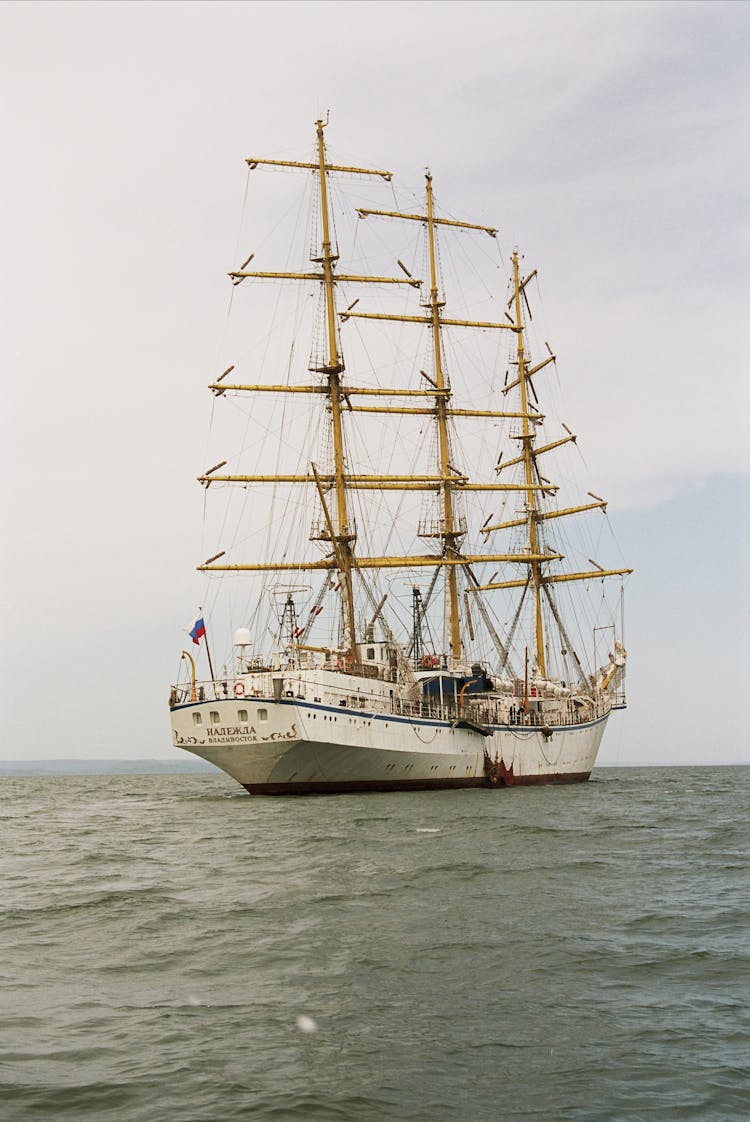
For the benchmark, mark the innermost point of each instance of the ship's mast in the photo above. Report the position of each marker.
(527, 439)
(341, 533)
(451, 479)
(450, 537)
(534, 484)
(333, 371)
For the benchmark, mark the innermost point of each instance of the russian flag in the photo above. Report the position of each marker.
(199, 630)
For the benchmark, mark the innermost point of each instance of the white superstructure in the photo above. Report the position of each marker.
(323, 731)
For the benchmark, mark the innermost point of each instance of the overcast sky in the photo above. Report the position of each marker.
(609, 139)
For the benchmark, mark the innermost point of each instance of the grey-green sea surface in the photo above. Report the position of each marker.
(176, 950)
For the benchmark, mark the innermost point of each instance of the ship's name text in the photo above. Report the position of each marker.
(242, 733)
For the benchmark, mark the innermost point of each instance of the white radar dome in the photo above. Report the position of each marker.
(242, 637)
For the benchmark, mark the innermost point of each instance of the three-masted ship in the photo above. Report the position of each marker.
(451, 662)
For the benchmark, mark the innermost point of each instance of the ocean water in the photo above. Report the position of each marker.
(173, 949)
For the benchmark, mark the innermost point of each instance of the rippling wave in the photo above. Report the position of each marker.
(174, 949)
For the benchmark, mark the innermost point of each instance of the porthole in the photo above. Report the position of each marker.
(197, 719)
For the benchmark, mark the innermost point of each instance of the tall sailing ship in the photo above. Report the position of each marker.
(390, 629)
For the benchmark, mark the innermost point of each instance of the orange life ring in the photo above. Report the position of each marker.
(239, 689)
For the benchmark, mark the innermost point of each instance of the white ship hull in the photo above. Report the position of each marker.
(293, 746)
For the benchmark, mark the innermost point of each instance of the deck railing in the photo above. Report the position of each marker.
(449, 711)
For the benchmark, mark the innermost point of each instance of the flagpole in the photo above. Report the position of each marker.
(208, 649)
